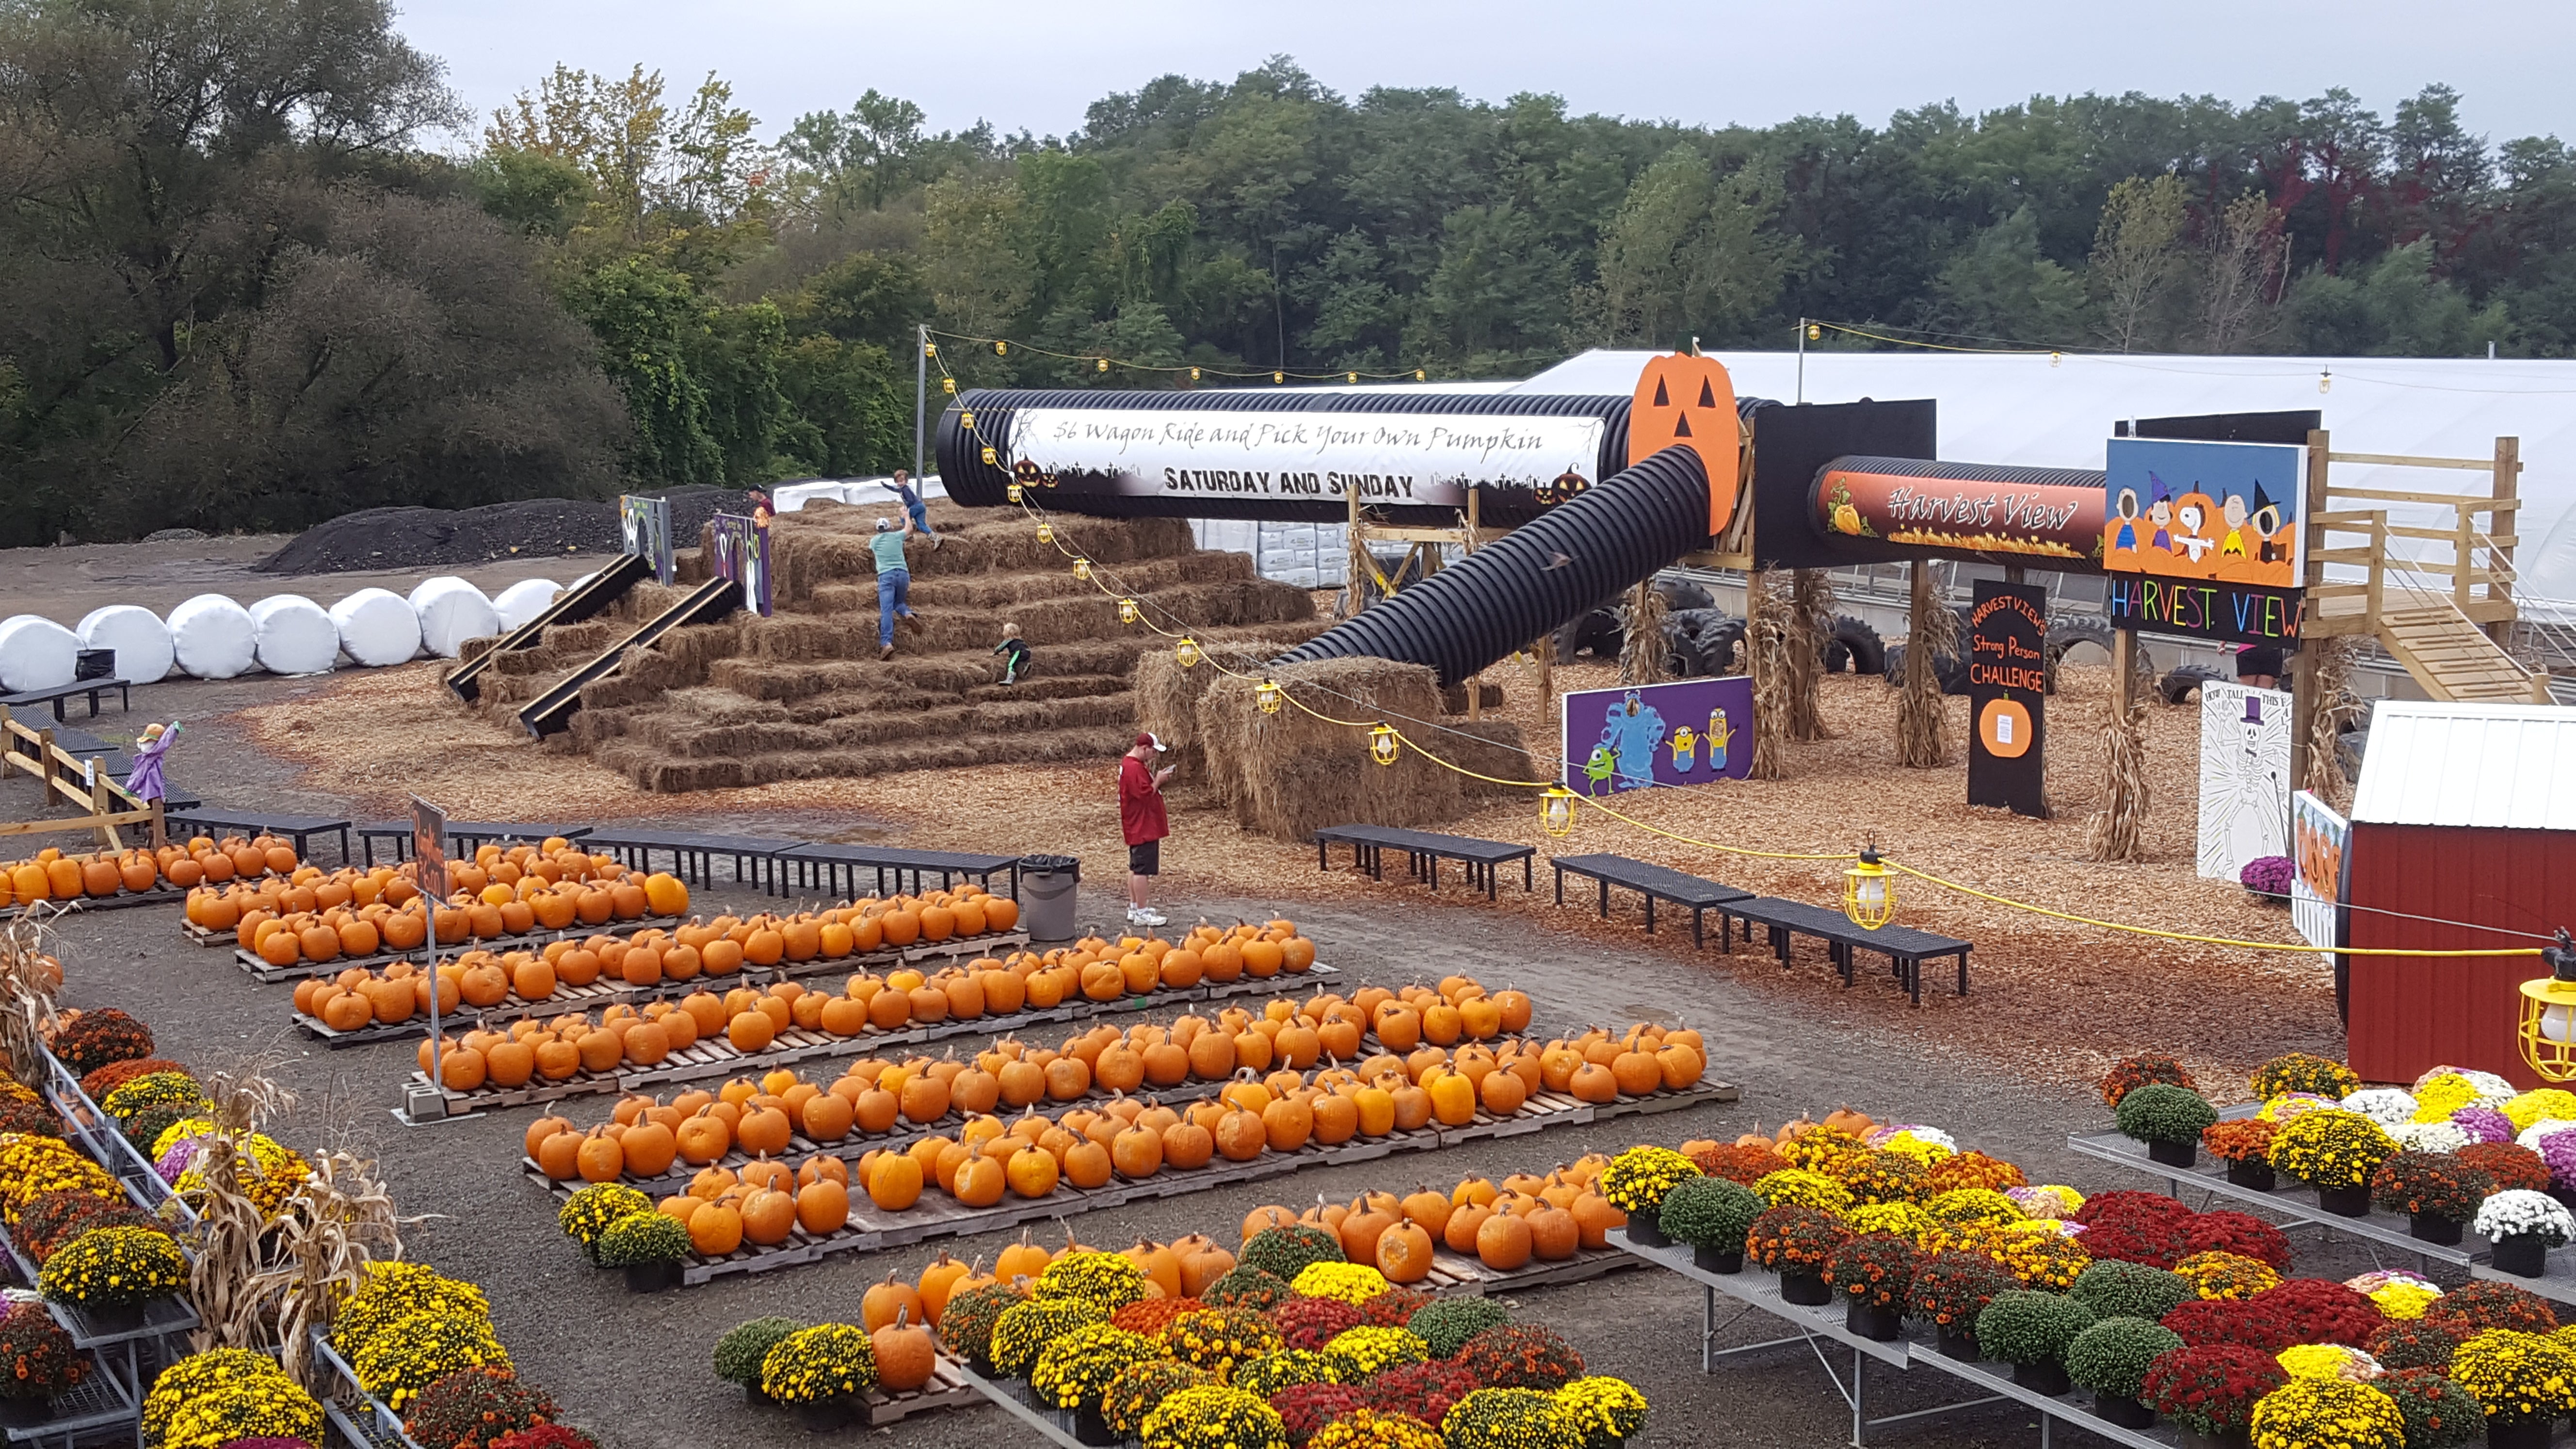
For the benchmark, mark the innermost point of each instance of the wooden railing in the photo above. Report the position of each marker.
(2477, 575)
(108, 803)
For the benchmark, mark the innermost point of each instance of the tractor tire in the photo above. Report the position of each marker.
(1596, 630)
(2184, 681)
(1950, 669)
(1855, 644)
(2065, 634)
(1681, 594)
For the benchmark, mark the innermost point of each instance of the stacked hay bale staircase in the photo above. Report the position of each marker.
(803, 695)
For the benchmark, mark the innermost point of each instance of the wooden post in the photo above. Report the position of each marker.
(1466, 548)
(160, 827)
(1355, 591)
(2302, 665)
(99, 801)
(2506, 487)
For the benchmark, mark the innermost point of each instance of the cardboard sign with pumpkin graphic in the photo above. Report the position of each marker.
(1686, 401)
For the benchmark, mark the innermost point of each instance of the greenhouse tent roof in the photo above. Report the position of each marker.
(2040, 410)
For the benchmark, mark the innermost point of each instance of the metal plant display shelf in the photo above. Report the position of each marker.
(2298, 1202)
(1821, 1330)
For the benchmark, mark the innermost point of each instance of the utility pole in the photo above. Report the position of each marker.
(920, 392)
(1802, 359)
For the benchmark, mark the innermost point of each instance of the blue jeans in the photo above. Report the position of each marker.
(894, 592)
(920, 513)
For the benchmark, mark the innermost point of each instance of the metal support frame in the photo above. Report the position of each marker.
(1855, 1395)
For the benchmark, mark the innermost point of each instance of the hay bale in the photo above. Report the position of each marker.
(1167, 696)
(1289, 774)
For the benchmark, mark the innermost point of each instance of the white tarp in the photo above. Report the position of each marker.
(377, 628)
(452, 611)
(792, 497)
(1396, 458)
(141, 641)
(214, 637)
(36, 653)
(523, 601)
(294, 635)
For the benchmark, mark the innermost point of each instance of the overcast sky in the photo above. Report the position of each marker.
(1029, 65)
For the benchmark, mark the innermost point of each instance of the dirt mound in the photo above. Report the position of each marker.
(428, 538)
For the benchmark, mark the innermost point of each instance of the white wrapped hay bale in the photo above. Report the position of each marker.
(377, 628)
(295, 636)
(523, 601)
(452, 611)
(36, 653)
(213, 637)
(141, 641)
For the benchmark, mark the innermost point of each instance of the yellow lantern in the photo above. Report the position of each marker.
(1815, 333)
(1104, 364)
(948, 385)
(1187, 652)
(1556, 810)
(1194, 374)
(966, 419)
(1082, 568)
(1278, 377)
(1266, 694)
(1001, 349)
(1046, 533)
(1126, 611)
(2549, 1014)
(1419, 375)
(1869, 891)
(1351, 376)
(1011, 492)
(930, 349)
(992, 459)
(1382, 744)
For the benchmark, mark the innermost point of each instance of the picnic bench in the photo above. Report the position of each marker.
(61, 692)
(835, 867)
(1907, 949)
(299, 828)
(1424, 851)
(1655, 882)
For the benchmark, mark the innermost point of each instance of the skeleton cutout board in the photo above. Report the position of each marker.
(2244, 777)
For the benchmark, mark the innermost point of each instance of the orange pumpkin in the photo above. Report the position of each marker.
(1689, 402)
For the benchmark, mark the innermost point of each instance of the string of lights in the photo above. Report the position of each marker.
(1102, 362)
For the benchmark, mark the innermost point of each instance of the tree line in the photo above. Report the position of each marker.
(261, 267)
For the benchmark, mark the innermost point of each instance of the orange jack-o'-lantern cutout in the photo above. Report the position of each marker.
(1689, 402)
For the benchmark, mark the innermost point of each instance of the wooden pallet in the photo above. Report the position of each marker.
(157, 896)
(266, 974)
(1459, 1274)
(947, 1389)
(717, 1057)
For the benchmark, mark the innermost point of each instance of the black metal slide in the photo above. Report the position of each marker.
(552, 712)
(1528, 583)
(597, 592)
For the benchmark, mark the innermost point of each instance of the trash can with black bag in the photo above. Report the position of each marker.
(1047, 889)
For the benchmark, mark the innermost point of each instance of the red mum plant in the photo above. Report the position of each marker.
(1393, 1308)
(2130, 1073)
(2413, 1343)
(472, 1407)
(2210, 1389)
(51, 1219)
(37, 1358)
(546, 1436)
(2228, 1231)
(1793, 1239)
(1521, 1356)
(1952, 1287)
(1972, 1169)
(116, 1074)
(2510, 1164)
(1424, 1390)
(2323, 1311)
(1874, 1268)
(1305, 1409)
(2122, 1205)
(1150, 1316)
(2243, 1322)
(96, 1038)
(2483, 1303)
(1312, 1322)
(2239, 1139)
(1745, 1163)
(2152, 1242)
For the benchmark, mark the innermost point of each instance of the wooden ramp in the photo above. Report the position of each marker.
(603, 589)
(2452, 657)
(552, 712)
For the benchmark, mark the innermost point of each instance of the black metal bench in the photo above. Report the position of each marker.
(1424, 851)
(754, 857)
(636, 847)
(463, 836)
(835, 867)
(59, 693)
(1906, 949)
(299, 828)
(1655, 882)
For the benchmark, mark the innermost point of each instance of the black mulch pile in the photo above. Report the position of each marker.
(423, 538)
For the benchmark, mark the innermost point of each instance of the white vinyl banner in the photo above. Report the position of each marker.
(1428, 459)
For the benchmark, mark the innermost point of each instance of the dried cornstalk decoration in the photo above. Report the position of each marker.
(2113, 833)
(1766, 648)
(29, 977)
(1642, 646)
(1810, 616)
(230, 1223)
(1921, 715)
(338, 1222)
(2328, 663)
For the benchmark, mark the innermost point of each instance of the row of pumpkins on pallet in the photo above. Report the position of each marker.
(51, 875)
(355, 913)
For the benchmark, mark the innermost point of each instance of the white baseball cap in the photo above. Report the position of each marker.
(884, 523)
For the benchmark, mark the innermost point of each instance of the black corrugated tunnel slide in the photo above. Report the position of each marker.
(1529, 582)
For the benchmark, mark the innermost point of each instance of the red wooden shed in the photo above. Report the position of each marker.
(2465, 819)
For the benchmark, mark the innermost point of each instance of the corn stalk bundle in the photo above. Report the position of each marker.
(1766, 650)
(27, 1012)
(339, 1221)
(2113, 832)
(230, 1224)
(1921, 716)
(1811, 622)
(1642, 647)
(2329, 662)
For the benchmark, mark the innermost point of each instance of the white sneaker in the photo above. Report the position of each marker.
(1145, 916)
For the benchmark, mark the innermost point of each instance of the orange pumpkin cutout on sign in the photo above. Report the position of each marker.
(1687, 401)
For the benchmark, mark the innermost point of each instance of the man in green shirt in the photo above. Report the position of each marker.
(894, 582)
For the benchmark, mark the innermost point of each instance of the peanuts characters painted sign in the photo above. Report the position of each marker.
(2223, 512)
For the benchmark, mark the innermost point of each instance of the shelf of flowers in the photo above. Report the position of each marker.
(994, 1174)
(1953, 1259)
(2458, 1166)
(1194, 1057)
(780, 1023)
(137, 877)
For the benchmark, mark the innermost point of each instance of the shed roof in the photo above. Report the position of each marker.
(2502, 766)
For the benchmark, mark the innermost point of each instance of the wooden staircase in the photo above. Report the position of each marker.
(2452, 657)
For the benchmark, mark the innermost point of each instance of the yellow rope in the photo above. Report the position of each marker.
(1101, 582)
(1932, 346)
(1417, 374)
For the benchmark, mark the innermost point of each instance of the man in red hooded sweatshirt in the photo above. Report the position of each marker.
(1140, 812)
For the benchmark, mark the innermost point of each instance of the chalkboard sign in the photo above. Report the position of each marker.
(2008, 696)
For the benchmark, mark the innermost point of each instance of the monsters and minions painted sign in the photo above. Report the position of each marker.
(1688, 732)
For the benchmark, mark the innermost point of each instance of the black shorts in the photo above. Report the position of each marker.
(2262, 659)
(1145, 859)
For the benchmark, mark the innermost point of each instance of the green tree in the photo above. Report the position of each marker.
(652, 325)
(1999, 288)
(2138, 259)
(2396, 308)
(1688, 252)
(978, 265)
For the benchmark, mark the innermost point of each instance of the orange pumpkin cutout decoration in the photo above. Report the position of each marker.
(1686, 401)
